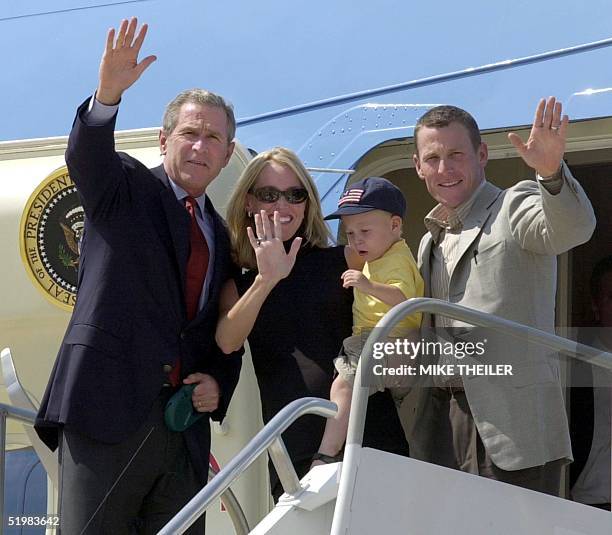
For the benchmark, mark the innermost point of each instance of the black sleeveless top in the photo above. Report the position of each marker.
(298, 333)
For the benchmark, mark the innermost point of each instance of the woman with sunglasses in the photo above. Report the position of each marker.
(290, 302)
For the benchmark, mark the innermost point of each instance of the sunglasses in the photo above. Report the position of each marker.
(270, 194)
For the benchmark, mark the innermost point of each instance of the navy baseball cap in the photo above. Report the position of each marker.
(372, 193)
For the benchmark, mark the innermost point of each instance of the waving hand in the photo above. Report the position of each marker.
(119, 67)
(273, 262)
(546, 144)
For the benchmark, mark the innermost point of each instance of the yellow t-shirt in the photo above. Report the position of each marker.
(396, 267)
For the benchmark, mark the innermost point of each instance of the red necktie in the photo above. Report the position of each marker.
(197, 264)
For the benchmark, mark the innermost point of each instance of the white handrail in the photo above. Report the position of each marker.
(268, 436)
(359, 401)
(23, 416)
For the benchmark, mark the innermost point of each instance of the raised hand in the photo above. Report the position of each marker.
(273, 262)
(119, 67)
(546, 144)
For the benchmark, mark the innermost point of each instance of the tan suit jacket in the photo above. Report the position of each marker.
(507, 266)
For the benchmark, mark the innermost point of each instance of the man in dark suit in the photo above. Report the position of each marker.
(154, 257)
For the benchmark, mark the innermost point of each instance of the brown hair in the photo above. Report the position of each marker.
(442, 116)
(203, 97)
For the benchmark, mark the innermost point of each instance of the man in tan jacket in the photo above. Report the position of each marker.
(495, 251)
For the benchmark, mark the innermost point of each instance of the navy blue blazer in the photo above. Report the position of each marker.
(129, 320)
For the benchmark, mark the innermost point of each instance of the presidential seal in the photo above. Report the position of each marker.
(50, 233)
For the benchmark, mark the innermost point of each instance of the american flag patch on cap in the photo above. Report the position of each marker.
(352, 196)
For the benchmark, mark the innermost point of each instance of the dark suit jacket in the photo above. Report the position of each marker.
(130, 319)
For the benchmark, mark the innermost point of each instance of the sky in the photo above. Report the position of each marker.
(270, 54)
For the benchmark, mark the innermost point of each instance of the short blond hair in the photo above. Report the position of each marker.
(315, 231)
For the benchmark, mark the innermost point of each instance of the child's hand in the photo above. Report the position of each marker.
(353, 278)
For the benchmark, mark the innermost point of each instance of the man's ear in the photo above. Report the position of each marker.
(417, 165)
(163, 139)
(230, 151)
(396, 223)
(483, 154)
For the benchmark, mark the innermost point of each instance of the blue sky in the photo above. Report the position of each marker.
(270, 54)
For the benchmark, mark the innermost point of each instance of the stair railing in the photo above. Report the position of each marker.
(359, 401)
(268, 439)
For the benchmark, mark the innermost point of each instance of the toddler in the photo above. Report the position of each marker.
(371, 211)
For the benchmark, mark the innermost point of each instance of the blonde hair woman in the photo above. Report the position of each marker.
(240, 216)
(290, 303)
